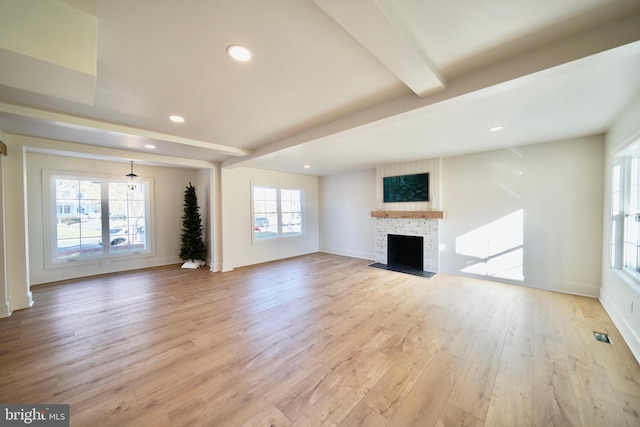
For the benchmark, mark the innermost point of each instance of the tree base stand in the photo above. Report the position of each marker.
(194, 264)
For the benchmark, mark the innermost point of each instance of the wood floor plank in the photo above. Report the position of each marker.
(522, 325)
(580, 340)
(454, 416)
(601, 414)
(345, 372)
(423, 406)
(257, 391)
(363, 416)
(549, 314)
(618, 361)
(630, 409)
(270, 416)
(315, 340)
(512, 398)
(365, 370)
(521, 335)
(467, 330)
(473, 389)
(554, 398)
(591, 382)
(394, 386)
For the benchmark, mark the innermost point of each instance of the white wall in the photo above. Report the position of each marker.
(166, 215)
(431, 166)
(23, 235)
(5, 307)
(346, 225)
(204, 192)
(238, 249)
(530, 215)
(346, 202)
(16, 255)
(617, 294)
(215, 220)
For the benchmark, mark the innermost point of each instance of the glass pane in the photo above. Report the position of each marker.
(78, 218)
(259, 193)
(271, 206)
(265, 212)
(271, 194)
(615, 203)
(615, 181)
(286, 207)
(634, 187)
(291, 212)
(127, 218)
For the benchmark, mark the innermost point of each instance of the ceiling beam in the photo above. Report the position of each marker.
(74, 122)
(602, 40)
(375, 25)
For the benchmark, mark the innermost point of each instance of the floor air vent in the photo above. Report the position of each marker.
(602, 337)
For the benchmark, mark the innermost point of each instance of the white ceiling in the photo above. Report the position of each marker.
(343, 85)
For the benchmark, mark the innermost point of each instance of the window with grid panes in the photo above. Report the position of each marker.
(94, 217)
(277, 212)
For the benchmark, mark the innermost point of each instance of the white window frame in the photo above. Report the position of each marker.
(622, 211)
(50, 218)
(280, 234)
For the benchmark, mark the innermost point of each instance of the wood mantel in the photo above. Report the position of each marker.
(409, 214)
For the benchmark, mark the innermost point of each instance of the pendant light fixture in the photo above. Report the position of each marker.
(132, 176)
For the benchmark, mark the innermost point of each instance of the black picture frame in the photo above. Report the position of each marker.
(406, 188)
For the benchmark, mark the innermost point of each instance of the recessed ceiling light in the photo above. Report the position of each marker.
(307, 166)
(496, 129)
(149, 146)
(239, 53)
(176, 119)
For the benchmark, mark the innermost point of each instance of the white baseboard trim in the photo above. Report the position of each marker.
(630, 337)
(226, 269)
(348, 253)
(529, 282)
(22, 302)
(5, 309)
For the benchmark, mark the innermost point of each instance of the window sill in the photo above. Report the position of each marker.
(277, 238)
(98, 260)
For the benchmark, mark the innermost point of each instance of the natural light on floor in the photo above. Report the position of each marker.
(497, 248)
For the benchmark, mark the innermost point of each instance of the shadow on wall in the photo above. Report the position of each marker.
(496, 249)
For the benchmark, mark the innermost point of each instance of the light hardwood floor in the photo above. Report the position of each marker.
(316, 340)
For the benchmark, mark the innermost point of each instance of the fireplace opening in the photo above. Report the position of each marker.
(405, 254)
(405, 251)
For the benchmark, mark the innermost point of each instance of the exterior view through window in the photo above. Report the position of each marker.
(625, 213)
(98, 218)
(632, 217)
(277, 212)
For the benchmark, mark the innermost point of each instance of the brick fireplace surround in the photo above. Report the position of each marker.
(419, 223)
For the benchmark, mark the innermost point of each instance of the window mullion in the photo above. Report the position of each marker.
(279, 208)
(104, 206)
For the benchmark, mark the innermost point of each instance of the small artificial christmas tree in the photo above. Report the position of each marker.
(192, 247)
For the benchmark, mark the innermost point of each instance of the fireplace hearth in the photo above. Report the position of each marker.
(403, 269)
